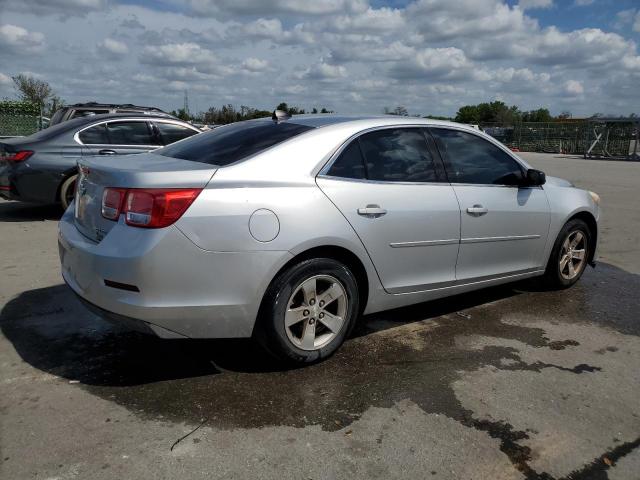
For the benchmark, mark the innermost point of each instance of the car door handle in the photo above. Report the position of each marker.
(107, 152)
(477, 210)
(372, 211)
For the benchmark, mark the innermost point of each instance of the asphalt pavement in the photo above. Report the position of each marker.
(509, 382)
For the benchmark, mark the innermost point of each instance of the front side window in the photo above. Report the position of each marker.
(96, 135)
(129, 133)
(398, 155)
(231, 143)
(472, 159)
(170, 132)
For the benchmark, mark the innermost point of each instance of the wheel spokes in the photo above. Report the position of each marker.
(330, 294)
(295, 315)
(576, 239)
(323, 299)
(309, 290)
(309, 335)
(331, 321)
(578, 254)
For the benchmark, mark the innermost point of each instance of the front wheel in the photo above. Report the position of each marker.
(68, 191)
(308, 311)
(569, 256)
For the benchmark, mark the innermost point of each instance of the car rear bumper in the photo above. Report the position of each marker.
(158, 281)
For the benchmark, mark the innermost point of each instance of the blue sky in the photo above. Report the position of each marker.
(431, 56)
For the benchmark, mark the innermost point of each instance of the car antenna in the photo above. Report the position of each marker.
(280, 116)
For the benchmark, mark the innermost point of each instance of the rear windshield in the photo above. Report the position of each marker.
(225, 145)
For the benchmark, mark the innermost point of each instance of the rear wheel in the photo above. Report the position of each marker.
(569, 256)
(68, 191)
(308, 311)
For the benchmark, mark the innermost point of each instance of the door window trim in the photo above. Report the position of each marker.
(444, 155)
(76, 136)
(429, 142)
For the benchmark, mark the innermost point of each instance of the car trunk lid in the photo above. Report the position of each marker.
(145, 170)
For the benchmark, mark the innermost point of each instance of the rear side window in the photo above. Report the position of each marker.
(129, 133)
(471, 159)
(398, 155)
(349, 164)
(170, 132)
(95, 135)
(225, 145)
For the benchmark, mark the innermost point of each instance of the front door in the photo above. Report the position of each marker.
(391, 188)
(504, 226)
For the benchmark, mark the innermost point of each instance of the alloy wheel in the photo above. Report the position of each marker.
(573, 255)
(316, 312)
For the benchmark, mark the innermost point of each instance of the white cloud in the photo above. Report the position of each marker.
(573, 88)
(529, 4)
(324, 72)
(5, 79)
(15, 39)
(62, 8)
(346, 55)
(177, 54)
(113, 48)
(583, 3)
(273, 7)
(255, 64)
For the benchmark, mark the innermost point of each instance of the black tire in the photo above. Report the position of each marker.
(270, 330)
(67, 191)
(553, 277)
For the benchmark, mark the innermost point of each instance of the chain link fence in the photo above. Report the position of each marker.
(570, 137)
(12, 125)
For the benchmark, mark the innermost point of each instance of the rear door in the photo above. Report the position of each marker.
(391, 188)
(504, 225)
(118, 137)
(169, 132)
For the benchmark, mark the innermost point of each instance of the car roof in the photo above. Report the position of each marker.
(89, 105)
(323, 120)
(75, 123)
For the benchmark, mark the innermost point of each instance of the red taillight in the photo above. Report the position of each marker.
(148, 208)
(112, 200)
(15, 157)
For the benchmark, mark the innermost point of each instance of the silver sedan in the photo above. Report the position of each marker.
(288, 229)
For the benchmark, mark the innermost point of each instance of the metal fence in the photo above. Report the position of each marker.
(18, 125)
(593, 137)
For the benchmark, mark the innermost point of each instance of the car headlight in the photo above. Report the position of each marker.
(595, 197)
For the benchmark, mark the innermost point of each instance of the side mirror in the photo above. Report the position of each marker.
(535, 178)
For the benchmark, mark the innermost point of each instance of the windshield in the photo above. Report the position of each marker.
(225, 145)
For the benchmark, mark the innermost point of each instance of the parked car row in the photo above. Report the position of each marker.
(42, 167)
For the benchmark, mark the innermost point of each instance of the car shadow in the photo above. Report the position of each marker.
(12, 211)
(412, 352)
(52, 331)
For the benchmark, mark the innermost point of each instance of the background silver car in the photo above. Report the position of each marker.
(289, 229)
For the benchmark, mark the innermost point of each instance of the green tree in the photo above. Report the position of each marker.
(32, 90)
(468, 114)
(539, 115)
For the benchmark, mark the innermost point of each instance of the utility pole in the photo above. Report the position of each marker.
(186, 102)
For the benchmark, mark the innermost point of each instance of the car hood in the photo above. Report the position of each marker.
(559, 182)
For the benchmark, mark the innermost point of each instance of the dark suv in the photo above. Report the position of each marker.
(92, 108)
